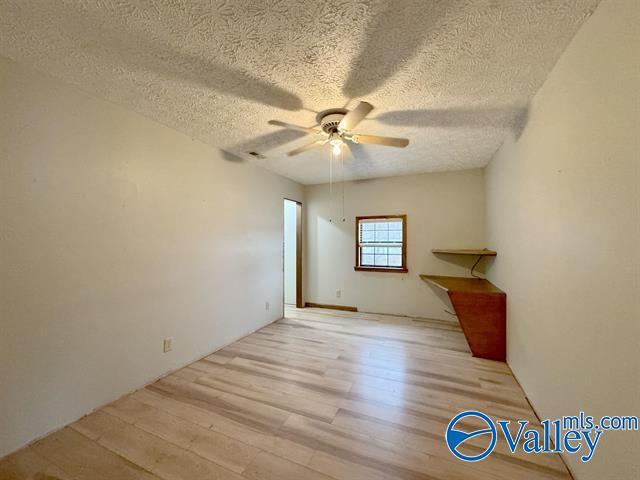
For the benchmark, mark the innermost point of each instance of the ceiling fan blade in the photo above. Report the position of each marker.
(291, 126)
(355, 116)
(316, 144)
(376, 140)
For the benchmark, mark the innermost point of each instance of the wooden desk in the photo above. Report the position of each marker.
(481, 308)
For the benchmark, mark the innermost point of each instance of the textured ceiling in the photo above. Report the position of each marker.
(453, 76)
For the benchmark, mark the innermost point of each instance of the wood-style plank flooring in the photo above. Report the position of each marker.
(318, 395)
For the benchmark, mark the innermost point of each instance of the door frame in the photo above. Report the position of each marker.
(299, 299)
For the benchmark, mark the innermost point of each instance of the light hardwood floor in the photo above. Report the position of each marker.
(318, 395)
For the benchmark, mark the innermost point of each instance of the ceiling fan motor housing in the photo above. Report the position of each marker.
(329, 123)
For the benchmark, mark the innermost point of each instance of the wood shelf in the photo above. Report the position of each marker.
(468, 251)
(462, 284)
(481, 308)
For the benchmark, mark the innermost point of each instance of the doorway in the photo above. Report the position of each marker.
(292, 248)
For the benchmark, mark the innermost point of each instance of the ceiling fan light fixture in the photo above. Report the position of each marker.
(335, 140)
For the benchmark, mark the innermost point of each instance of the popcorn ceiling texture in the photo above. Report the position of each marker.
(453, 76)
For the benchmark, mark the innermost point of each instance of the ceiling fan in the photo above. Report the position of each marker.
(336, 127)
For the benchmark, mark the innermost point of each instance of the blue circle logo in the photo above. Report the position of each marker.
(455, 438)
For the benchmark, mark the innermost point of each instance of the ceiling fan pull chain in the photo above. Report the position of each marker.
(342, 178)
(330, 183)
(331, 173)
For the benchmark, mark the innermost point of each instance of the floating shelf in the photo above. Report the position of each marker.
(469, 251)
(476, 252)
(481, 308)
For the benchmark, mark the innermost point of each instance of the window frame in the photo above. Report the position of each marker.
(401, 269)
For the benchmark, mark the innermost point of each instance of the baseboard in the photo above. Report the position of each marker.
(331, 307)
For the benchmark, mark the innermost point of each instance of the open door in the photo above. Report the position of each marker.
(292, 253)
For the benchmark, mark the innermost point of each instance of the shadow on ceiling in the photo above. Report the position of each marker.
(401, 25)
(508, 118)
(198, 71)
(145, 50)
(230, 156)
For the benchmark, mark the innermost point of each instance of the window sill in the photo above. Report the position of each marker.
(381, 269)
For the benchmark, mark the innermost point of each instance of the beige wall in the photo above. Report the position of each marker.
(443, 210)
(117, 232)
(563, 207)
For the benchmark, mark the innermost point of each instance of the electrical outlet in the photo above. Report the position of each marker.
(338, 293)
(167, 345)
(266, 305)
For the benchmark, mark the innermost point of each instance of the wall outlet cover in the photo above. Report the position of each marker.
(167, 345)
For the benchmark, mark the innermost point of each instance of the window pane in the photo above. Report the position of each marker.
(395, 225)
(382, 226)
(367, 225)
(382, 236)
(368, 250)
(395, 250)
(381, 250)
(395, 236)
(395, 260)
(367, 260)
(382, 260)
(367, 236)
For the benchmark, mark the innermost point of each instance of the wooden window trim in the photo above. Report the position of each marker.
(401, 269)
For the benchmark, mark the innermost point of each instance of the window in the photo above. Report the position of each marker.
(381, 243)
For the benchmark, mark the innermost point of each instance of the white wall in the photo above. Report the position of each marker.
(563, 209)
(290, 227)
(443, 210)
(115, 233)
